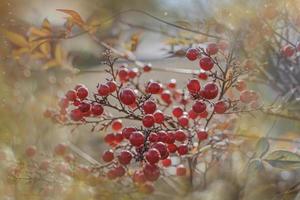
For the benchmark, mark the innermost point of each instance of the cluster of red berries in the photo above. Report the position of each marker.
(168, 120)
(289, 50)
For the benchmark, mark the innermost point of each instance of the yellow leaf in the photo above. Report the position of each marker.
(58, 54)
(37, 43)
(46, 24)
(38, 32)
(16, 38)
(45, 48)
(50, 64)
(75, 16)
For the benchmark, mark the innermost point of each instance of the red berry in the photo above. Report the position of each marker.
(181, 170)
(151, 172)
(127, 96)
(159, 117)
(147, 68)
(212, 49)
(71, 95)
(60, 149)
(118, 137)
(206, 63)
(177, 111)
(97, 109)
(192, 54)
(166, 162)
(298, 46)
(119, 171)
(109, 138)
(123, 74)
(137, 138)
(133, 73)
(82, 92)
(182, 149)
(172, 84)
(147, 188)
(76, 115)
(172, 148)
(199, 107)
(288, 51)
(166, 96)
(149, 107)
(203, 114)
(126, 132)
(162, 148)
(152, 156)
(78, 86)
(246, 96)
(125, 157)
(111, 174)
(103, 90)
(139, 177)
(180, 135)
(192, 114)
(108, 156)
(112, 86)
(117, 125)
(153, 137)
(84, 107)
(210, 91)
(63, 103)
(203, 76)
(162, 136)
(193, 86)
(202, 135)
(30, 151)
(153, 88)
(220, 107)
(170, 137)
(241, 85)
(148, 120)
(183, 121)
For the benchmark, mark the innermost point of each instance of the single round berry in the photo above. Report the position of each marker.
(112, 86)
(203, 114)
(172, 148)
(103, 90)
(109, 138)
(151, 172)
(170, 137)
(172, 84)
(137, 138)
(152, 156)
(212, 49)
(123, 74)
(133, 73)
(97, 109)
(125, 157)
(202, 135)
(241, 85)
(82, 92)
(153, 88)
(139, 177)
(60, 149)
(118, 137)
(206, 63)
(220, 107)
(147, 68)
(162, 148)
(119, 171)
(166, 96)
(153, 137)
(246, 96)
(180, 135)
(149, 107)
(288, 51)
(162, 136)
(192, 114)
(199, 107)
(148, 120)
(210, 91)
(71, 95)
(181, 170)
(192, 54)
(76, 115)
(203, 76)
(126, 132)
(84, 107)
(159, 117)
(127, 96)
(117, 125)
(177, 112)
(30, 151)
(182, 149)
(183, 121)
(193, 86)
(166, 162)
(108, 156)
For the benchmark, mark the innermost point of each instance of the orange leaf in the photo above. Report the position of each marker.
(75, 16)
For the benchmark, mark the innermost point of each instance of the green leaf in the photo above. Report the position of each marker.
(262, 147)
(283, 159)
